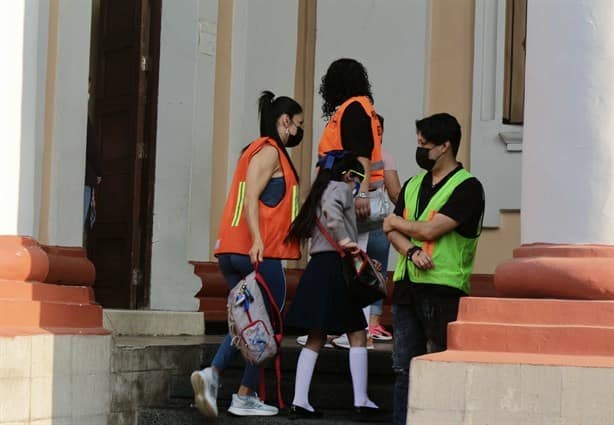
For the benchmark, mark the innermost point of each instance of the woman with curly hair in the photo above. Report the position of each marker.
(353, 125)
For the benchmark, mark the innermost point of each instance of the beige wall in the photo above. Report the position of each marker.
(450, 90)
(221, 120)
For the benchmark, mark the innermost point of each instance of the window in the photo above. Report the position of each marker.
(515, 42)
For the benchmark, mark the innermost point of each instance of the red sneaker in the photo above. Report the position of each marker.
(379, 333)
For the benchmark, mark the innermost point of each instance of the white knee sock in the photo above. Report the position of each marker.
(304, 371)
(367, 312)
(359, 371)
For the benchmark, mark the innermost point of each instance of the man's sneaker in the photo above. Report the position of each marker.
(344, 342)
(379, 333)
(205, 384)
(250, 405)
(302, 340)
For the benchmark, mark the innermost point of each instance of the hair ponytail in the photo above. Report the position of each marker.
(270, 109)
(265, 109)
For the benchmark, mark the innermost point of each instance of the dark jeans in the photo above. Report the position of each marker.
(419, 328)
(235, 268)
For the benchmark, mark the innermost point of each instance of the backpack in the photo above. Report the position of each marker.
(254, 332)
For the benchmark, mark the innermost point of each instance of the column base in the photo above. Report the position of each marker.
(574, 324)
(69, 266)
(29, 307)
(214, 290)
(508, 393)
(582, 272)
(55, 379)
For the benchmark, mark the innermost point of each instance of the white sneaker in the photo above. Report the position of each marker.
(250, 405)
(205, 384)
(344, 342)
(302, 340)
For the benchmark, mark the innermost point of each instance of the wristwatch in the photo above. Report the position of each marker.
(411, 251)
(362, 195)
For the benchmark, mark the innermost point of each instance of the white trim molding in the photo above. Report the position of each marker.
(496, 164)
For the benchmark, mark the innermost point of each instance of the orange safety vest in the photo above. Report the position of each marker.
(234, 236)
(331, 138)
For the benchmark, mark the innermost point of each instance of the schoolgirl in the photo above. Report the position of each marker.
(321, 304)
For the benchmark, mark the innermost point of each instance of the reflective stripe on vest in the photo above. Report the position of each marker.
(241, 200)
(234, 236)
(452, 254)
(296, 202)
(239, 206)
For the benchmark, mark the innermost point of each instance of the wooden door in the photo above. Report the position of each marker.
(124, 139)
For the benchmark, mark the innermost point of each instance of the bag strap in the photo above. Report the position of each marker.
(329, 238)
(278, 326)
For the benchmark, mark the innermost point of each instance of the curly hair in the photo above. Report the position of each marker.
(345, 78)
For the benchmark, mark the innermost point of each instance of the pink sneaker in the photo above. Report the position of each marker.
(379, 333)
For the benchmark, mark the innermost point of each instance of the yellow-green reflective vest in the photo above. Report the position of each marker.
(452, 254)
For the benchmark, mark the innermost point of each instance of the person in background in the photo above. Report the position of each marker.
(262, 203)
(435, 228)
(378, 246)
(93, 177)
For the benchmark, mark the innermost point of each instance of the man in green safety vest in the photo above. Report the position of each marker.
(435, 228)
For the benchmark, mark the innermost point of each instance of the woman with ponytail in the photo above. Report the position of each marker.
(261, 205)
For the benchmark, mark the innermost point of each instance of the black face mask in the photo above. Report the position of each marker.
(423, 160)
(295, 139)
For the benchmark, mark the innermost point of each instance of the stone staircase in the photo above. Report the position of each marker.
(165, 395)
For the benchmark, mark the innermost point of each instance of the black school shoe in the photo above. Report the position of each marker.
(298, 412)
(370, 414)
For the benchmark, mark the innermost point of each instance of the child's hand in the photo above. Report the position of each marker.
(376, 264)
(350, 246)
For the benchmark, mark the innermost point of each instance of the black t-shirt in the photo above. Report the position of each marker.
(356, 133)
(465, 206)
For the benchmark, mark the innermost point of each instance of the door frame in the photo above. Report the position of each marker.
(151, 124)
(150, 19)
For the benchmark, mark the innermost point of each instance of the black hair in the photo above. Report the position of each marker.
(303, 224)
(344, 79)
(440, 128)
(270, 109)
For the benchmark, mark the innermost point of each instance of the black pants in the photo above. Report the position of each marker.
(419, 328)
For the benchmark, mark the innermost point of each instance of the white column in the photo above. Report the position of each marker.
(23, 46)
(66, 125)
(568, 149)
(262, 59)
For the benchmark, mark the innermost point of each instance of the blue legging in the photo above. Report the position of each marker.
(378, 248)
(234, 268)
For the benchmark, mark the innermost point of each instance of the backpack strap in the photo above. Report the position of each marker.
(329, 238)
(278, 326)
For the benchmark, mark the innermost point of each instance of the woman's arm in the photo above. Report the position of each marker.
(261, 168)
(392, 184)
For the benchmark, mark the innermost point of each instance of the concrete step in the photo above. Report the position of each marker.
(190, 416)
(331, 386)
(153, 322)
(154, 372)
(536, 311)
(142, 369)
(537, 339)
